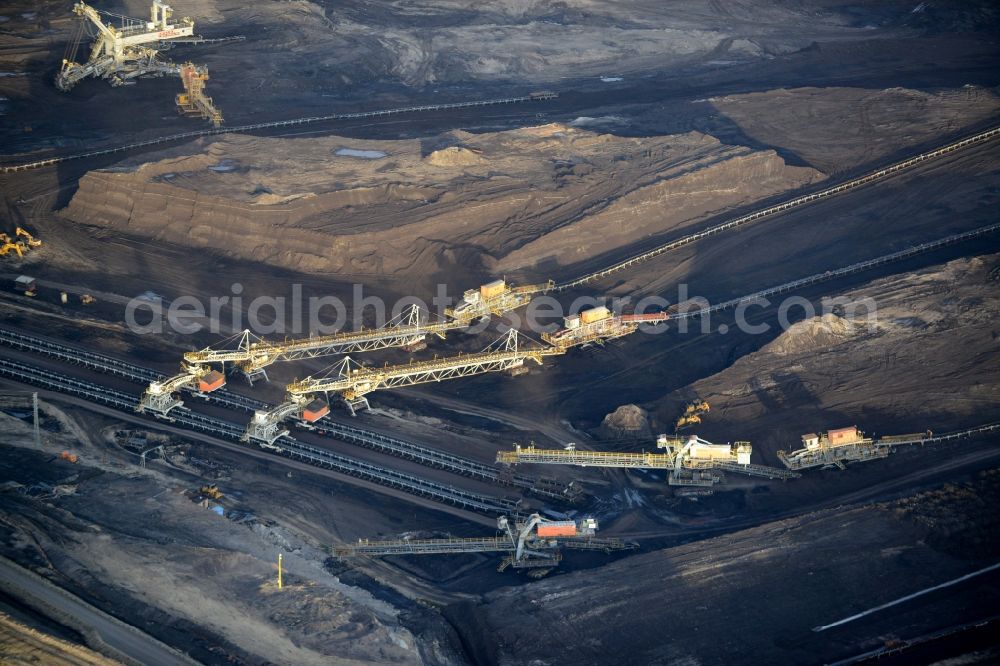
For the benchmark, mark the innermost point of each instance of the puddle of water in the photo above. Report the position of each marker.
(224, 166)
(587, 121)
(363, 154)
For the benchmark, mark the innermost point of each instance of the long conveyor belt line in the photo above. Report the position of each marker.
(468, 545)
(616, 459)
(414, 485)
(112, 366)
(840, 272)
(63, 384)
(368, 439)
(762, 471)
(428, 456)
(77, 356)
(290, 448)
(942, 437)
(870, 177)
(271, 125)
(427, 546)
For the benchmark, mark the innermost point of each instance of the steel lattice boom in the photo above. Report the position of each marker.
(689, 460)
(533, 543)
(353, 382)
(253, 355)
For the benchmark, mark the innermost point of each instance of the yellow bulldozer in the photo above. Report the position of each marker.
(211, 491)
(692, 414)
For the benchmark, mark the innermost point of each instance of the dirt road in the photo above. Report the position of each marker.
(125, 641)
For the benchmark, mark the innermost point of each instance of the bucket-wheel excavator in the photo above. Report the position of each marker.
(124, 53)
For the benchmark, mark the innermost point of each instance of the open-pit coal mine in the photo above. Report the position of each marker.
(521, 332)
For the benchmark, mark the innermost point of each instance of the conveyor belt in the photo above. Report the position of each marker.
(290, 448)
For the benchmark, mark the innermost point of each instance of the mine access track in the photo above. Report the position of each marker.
(279, 123)
(870, 177)
(289, 447)
(358, 436)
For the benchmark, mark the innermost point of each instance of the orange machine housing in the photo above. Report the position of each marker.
(211, 381)
(315, 410)
(492, 289)
(842, 436)
(562, 528)
(595, 314)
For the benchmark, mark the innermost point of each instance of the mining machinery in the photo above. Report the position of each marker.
(267, 425)
(124, 53)
(692, 414)
(598, 325)
(211, 491)
(20, 243)
(29, 240)
(252, 355)
(8, 245)
(193, 101)
(832, 449)
(497, 297)
(689, 462)
(352, 382)
(534, 543)
(161, 396)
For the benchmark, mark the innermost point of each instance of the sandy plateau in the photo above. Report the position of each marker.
(504, 200)
(536, 199)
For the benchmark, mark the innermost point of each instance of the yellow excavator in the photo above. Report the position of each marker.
(8, 244)
(28, 238)
(20, 243)
(692, 414)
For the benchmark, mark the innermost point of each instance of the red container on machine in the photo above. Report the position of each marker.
(561, 528)
(647, 318)
(211, 381)
(315, 410)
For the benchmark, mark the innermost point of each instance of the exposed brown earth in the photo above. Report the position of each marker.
(408, 208)
(895, 350)
(22, 644)
(850, 127)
